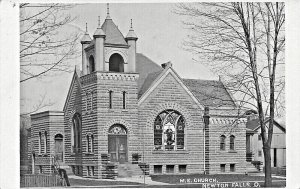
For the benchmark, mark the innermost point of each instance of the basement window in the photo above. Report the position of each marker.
(170, 168)
(222, 167)
(232, 167)
(158, 169)
(182, 168)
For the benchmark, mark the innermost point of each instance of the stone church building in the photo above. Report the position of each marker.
(125, 111)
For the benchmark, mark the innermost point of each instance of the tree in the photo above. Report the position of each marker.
(243, 42)
(44, 47)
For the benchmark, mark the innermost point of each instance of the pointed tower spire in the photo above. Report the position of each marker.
(131, 39)
(131, 34)
(86, 39)
(99, 32)
(107, 16)
(99, 23)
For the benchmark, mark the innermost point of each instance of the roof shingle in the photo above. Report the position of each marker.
(113, 34)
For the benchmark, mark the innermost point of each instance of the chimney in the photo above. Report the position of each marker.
(166, 65)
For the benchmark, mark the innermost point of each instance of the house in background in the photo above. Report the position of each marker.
(254, 147)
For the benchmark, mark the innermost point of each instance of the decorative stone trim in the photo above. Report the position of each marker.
(118, 121)
(70, 117)
(223, 121)
(90, 78)
(121, 51)
(170, 105)
(118, 76)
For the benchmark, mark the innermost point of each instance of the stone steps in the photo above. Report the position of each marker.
(250, 168)
(129, 170)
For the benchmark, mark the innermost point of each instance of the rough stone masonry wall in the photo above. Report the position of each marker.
(40, 123)
(226, 126)
(72, 106)
(170, 95)
(89, 122)
(98, 120)
(56, 126)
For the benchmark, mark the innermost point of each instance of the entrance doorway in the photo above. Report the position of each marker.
(58, 147)
(117, 143)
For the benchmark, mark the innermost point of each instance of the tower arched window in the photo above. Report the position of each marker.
(116, 63)
(91, 64)
(45, 142)
(76, 133)
(124, 100)
(169, 128)
(222, 142)
(231, 144)
(110, 96)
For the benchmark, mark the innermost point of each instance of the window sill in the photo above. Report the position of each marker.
(232, 151)
(89, 153)
(170, 152)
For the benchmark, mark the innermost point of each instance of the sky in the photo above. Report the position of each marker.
(57, 88)
(160, 33)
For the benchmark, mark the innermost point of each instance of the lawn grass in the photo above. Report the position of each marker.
(174, 181)
(86, 182)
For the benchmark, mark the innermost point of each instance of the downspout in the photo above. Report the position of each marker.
(205, 135)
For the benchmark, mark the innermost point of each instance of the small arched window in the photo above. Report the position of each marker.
(40, 142)
(91, 64)
(222, 142)
(231, 144)
(90, 143)
(169, 131)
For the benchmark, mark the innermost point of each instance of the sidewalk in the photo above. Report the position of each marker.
(140, 179)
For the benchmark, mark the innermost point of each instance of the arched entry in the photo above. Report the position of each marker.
(58, 147)
(116, 63)
(117, 143)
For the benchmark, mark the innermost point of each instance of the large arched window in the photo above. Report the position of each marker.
(91, 64)
(169, 131)
(76, 133)
(116, 63)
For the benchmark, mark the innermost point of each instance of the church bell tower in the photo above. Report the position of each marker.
(109, 92)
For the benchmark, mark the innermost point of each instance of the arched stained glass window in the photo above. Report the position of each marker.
(117, 129)
(169, 131)
(76, 133)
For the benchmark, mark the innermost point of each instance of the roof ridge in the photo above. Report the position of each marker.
(200, 79)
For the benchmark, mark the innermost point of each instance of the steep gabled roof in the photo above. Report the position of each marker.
(145, 66)
(209, 92)
(254, 124)
(74, 79)
(113, 34)
(147, 82)
(159, 77)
